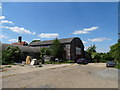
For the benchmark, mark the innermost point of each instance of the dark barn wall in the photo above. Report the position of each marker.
(67, 51)
(76, 42)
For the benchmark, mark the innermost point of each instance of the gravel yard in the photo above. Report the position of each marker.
(61, 76)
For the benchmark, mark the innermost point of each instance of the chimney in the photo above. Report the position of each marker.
(19, 39)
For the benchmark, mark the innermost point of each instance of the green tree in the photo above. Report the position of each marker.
(115, 52)
(10, 55)
(57, 49)
(44, 51)
(34, 41)
(91, 49)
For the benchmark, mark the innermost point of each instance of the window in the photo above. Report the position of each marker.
(78, 50)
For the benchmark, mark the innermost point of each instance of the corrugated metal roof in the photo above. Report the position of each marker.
(49, 42)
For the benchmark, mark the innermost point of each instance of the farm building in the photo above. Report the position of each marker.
(34, 52)
(74, 48)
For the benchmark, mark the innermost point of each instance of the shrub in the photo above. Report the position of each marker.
(11, 55)
(52, 62)
(117, 66)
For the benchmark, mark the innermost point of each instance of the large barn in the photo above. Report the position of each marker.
(73, 47)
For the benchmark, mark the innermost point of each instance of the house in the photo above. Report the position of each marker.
(74, 48)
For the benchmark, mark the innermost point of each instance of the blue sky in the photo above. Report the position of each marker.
(94, 22)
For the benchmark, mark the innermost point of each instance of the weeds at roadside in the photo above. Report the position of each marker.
(8, 66)
(22, 65)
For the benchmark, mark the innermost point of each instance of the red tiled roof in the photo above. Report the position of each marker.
(19, 43)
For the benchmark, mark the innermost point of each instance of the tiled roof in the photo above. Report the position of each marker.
(17, 43)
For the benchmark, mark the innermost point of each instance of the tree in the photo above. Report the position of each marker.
(34, 41)
(44, 51)
(10, 55)
(115, 52)
(91, 49)
(57, 49)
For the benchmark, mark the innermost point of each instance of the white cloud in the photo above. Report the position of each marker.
(36, 39)
(84, 42)
(3, 36)
(33, 33)
(98, 39)
(48, 35)
(85, 30)
(2, 17)
(0, 7)
(19, 30)
(12, 40)
(6, 21)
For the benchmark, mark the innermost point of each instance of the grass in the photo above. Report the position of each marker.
(65, 62)
(39, 65)
(51, 62)
(8, 66)
(22, 65)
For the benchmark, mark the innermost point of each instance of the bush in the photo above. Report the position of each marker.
(117, 66)
(11, 55)
(52, 62)
(103, 61)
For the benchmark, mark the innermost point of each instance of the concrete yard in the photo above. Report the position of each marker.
(93, 75)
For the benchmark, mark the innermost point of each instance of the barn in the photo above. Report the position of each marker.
(74, 48)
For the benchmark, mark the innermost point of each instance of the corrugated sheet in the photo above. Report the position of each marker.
(49, 42)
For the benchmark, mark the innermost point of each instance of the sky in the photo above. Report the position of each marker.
(93, 22)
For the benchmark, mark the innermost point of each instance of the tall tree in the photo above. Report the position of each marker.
(115, 52)
(57, 49)
(91, 49)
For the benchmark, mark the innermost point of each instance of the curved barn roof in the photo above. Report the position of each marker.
(49, 42)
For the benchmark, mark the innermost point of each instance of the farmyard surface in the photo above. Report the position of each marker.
(63, 76)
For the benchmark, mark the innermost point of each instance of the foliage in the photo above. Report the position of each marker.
(8, 66)
(98, 57)
(91, 49)
(44, 51)
(11, 55)
(69, 61)
(64, 61)
(34, 41)
(57, 49)
(117, 66)
(115, 52)
(52, 62)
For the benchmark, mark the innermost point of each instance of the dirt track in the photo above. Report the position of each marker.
(71, 76)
